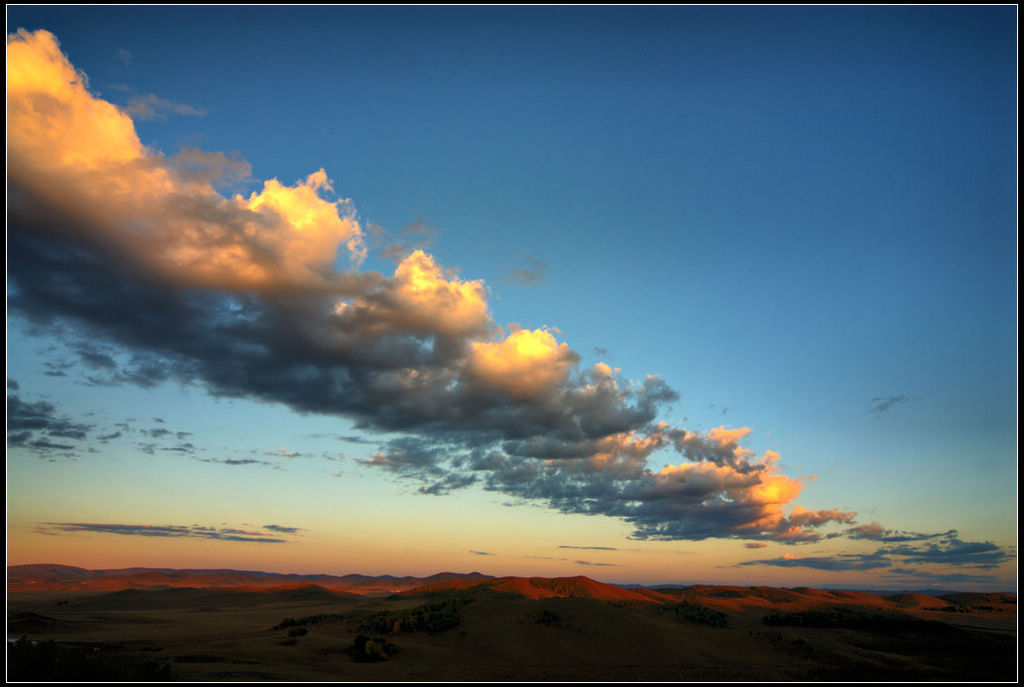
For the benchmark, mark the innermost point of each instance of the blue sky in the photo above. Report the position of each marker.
(803, 220)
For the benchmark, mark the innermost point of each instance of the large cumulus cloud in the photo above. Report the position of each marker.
(262, 296)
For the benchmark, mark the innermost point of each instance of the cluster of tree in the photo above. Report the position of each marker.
(546, 617)
(433, 617)
(696, 613)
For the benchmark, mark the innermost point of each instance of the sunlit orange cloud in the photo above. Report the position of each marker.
(763, 495)
(423, 298)
(525, 364)
(82, 155)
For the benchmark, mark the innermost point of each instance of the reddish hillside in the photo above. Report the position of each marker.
(551, 588)
(63, 578)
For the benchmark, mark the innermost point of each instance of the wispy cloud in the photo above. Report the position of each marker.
(397, 247)
(590, 548)
(482, 553)
(234, 461)
(603, 565)
(532, 272)
(883, 404)
(876, 532)
(281, 452)
(851, 561)
(164, 531)
(151, 107)
(937, 578)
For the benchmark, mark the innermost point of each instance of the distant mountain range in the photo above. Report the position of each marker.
(66, 578)
(54, 577)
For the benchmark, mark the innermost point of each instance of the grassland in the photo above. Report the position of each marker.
(493, 631)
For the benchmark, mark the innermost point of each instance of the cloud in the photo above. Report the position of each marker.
(349, 438)
(882, 404)
(949, 551)
(839, 562)
(755, 545)
(590, 548)
(263, 296)
(167, 531)
(482, 553)
(940, 578)
(282, 453)
(448, 483)
(153, 107)
(39, 426)
(234, 461)
(603, 565)
(42, 416)
(282, 529)
(416, 236)
(952, 551)
(694, 500)
(534, 272)
(876, 532)
(526, 364)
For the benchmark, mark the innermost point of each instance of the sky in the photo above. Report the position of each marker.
(719, 295)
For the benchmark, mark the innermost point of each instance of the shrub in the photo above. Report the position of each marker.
(546, 617)
(695, 613)
(371, 649)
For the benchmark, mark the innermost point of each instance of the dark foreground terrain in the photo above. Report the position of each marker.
(509, 629)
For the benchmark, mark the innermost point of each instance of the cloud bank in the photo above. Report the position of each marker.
(948, 550)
